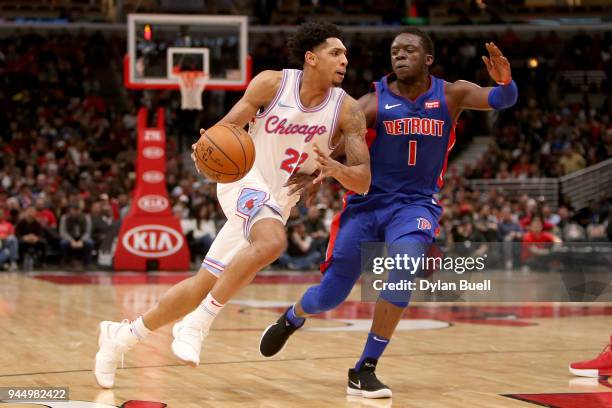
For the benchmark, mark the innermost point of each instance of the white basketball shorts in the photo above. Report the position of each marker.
(243, 203)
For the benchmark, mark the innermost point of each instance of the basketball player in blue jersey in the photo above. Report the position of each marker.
(413, 116)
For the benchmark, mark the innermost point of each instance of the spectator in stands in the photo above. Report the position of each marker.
(536, 249)
(301, 254)
(573, 232)
(75, 234)
(564, 217)
(8, 244)
(101, 221)
(549, 217)
(30, 234)
(509, 232)
(123, 202)
(523, 169)
(44, 215)
(12, 211)
(315, 228)
(200, 231)
(572, 160)
(486, 223)
(467, 240)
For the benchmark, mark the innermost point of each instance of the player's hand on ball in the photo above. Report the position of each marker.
(193, 149)
(303, 183)
(327, 166)
(193, 157)
(497, 65)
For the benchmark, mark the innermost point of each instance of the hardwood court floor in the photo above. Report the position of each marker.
(444, 355)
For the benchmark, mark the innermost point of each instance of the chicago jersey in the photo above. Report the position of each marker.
(285, 132)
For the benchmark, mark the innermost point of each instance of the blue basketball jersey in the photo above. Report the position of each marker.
(411, 141)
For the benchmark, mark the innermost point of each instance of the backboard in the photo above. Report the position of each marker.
(160, 45)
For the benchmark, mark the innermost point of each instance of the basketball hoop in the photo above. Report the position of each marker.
(192, 84)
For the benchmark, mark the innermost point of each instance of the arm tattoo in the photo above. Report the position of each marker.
(355, 136)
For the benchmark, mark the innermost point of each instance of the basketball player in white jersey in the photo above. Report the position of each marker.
(297, 118)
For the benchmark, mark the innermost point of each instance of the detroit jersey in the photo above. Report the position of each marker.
(412, 139)
(285, 132)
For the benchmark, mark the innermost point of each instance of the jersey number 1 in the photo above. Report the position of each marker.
(412, 152)
(289, 164)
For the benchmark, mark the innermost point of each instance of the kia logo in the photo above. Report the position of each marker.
(153, 203)
(152, 135)
(153, 152)
(153, 176)
(152, 241)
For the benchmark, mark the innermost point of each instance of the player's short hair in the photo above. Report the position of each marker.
(426, 41)
(309, 36)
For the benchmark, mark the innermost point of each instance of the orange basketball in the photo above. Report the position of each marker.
(225, 153)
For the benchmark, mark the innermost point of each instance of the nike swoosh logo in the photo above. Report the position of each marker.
(357, 384)
(215, 303)
(387, 106)
(381, 340)
(282, 105)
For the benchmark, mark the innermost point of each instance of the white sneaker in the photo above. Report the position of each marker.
(187, 342)
(110, 352)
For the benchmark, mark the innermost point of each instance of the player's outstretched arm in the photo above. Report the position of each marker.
(355, 175)
(467, 95)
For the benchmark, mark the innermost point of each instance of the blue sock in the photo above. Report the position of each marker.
(293, 319)
(375, 346)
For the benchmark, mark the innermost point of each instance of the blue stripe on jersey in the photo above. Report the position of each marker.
(408, 154)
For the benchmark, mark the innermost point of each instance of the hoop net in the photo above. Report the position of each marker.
(192, 84)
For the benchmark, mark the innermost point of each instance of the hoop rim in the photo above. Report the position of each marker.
(191, 72)
(188, 79)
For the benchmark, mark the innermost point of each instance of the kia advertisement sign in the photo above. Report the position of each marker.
(153, 203)
(151, 237)
(153, 176)
(153, 152)
(152, 241)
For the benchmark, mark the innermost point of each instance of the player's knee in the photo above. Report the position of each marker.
(328, 301)
(329, 294)
(271, 249)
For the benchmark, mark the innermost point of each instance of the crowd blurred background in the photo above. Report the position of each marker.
(68, 127)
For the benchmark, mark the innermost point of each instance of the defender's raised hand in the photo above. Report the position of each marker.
(497, 65)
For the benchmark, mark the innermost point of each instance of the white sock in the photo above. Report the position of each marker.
(203, 316)
(133, 332)
(139, 329)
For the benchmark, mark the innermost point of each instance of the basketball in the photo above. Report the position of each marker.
(225, 153)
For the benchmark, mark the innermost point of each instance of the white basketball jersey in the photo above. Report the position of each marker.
(285, 133)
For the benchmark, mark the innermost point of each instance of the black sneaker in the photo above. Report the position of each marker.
(276, 335)
(363, 382)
